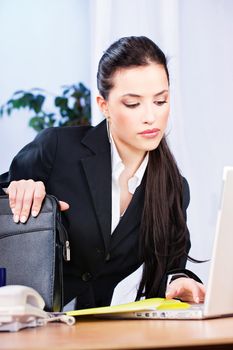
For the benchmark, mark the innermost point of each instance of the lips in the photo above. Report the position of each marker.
(149, 131)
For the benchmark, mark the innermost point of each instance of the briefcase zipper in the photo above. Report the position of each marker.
(64, 240)
(66, 251)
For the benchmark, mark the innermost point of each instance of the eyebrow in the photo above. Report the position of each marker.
(135, 95)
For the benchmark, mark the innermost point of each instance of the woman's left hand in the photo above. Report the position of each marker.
(186, 289)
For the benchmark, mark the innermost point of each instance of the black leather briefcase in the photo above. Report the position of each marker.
(33, 253)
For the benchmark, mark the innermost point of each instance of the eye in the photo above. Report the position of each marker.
(160, 103)
(132, 105)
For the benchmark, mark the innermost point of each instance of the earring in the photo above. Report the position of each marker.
(108, 128)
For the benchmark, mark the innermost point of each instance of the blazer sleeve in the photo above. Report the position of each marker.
(35, 161)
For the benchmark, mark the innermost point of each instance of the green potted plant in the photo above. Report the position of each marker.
(71, 107)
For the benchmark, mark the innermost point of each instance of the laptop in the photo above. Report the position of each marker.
(219, 293)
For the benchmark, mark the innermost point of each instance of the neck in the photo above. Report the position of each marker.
(131, 157)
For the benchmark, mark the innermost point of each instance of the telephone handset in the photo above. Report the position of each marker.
(22, 307)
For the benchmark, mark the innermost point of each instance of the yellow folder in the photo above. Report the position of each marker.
(141, 305)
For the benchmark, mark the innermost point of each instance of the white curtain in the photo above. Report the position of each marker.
(196, 36)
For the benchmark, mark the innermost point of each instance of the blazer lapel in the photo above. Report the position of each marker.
(97, 168)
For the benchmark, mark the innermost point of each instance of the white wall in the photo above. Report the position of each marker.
(43, 44)
(206, 58)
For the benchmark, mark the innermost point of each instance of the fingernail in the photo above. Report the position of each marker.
(34, 213)
(197, 300)
(16, 218)
(23, 219)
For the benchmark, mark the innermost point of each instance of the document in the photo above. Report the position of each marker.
(141, 305)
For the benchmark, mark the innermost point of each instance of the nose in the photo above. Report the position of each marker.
(149, 115)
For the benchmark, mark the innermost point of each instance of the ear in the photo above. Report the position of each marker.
(103, 105)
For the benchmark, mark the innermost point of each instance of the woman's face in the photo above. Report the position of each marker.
(138, 108)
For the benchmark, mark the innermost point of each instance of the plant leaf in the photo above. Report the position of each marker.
(37, 123)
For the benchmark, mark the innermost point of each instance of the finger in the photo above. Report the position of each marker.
(202, 292)
(5, 190)
(175, 288)
(64, 206)
(11, 191)
(27, 201)
(18, 201)
(39, 194)
(196, 296)
(171, 293)
(195, 290)
(202, 288)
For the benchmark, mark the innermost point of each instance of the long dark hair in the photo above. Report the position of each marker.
(163, 234)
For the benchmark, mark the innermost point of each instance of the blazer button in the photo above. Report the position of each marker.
(99, 251)
(107, 257)
(86, 276)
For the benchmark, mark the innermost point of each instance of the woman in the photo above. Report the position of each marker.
(123, 197)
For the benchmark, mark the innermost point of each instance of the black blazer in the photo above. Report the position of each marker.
(75, 165)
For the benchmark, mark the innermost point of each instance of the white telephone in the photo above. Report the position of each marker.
(22, 307)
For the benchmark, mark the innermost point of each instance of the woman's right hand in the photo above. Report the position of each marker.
(25, 197)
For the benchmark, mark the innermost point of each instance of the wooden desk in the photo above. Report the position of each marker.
(124, 334)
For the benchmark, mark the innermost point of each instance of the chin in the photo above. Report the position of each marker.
(152, 146)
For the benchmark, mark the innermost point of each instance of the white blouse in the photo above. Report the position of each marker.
(126, 290)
